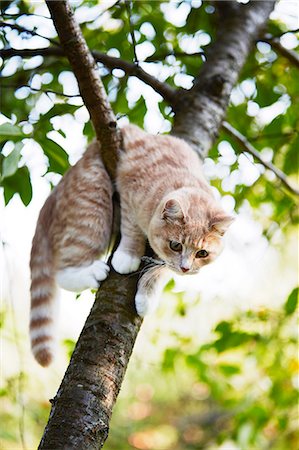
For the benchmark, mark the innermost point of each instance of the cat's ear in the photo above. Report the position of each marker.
(220, 223)
(172, 211)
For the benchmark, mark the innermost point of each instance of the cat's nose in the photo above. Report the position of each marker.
(185, 269)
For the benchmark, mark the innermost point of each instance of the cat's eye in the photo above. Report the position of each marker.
(202, 254)
(175, 246)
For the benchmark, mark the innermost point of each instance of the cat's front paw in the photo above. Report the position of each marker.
(123, 262)
(146, 304)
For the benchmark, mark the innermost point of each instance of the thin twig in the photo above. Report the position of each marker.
(248, 147)
(50, 91)
(267, 136)
(16, 16)
(164, 89)
(14, 26)
(129, 8)
(291, 55)
(45, 91)
(278, 36)
(176, 54)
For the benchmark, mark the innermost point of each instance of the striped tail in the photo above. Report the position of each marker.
(44, 300)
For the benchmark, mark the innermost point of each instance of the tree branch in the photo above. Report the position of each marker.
(45, 91)
(82, 408)
(129, 7)
(14, 26)
(90, 85)
(167, 92)
(248, 147)
(291, 55)
(201, 110)
(176, 54)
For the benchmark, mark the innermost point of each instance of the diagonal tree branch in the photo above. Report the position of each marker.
(291, 55)
(21, 29)
(167, 92)
(248, 147)
(44, 91)
(239, 26)
(85, 70)
(82, 408)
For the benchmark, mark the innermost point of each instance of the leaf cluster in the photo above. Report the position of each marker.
(171, 43)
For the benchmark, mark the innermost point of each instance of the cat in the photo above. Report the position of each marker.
(165, 199)
(72, 232)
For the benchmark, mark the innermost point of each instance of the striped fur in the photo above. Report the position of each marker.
(165, 197)
(72, 232)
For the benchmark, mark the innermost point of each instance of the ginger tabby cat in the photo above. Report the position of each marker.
(165, 199)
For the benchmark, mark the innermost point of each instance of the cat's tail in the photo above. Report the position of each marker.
(44, 297)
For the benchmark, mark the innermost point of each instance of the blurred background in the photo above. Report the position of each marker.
(216, 367)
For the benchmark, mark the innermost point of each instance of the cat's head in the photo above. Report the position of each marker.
(186, 230)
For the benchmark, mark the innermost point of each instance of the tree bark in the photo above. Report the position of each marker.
(82, 408)
(200, 112)
(90, 85)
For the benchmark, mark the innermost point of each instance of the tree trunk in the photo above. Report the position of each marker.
(82, 408)
(201, 110)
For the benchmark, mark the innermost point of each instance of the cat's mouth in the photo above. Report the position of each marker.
(181, 271)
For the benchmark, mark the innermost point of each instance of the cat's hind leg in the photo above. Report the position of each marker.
(78, 279)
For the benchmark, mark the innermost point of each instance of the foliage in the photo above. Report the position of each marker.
(264, 104)
(238, 388)
(241, 388)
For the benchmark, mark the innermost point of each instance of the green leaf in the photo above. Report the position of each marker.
(88, 130)
(58, 158)
(170, 285)
(170, 355)
(18, 183)
(223, 327)
(137, 113)
(69, 346)
(231, 338)
(291, 303)
(229, 369)
(10, 132)
(59, 110)
(265, 95)
(10, 163)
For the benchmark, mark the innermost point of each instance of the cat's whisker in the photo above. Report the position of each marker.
(152, 260)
